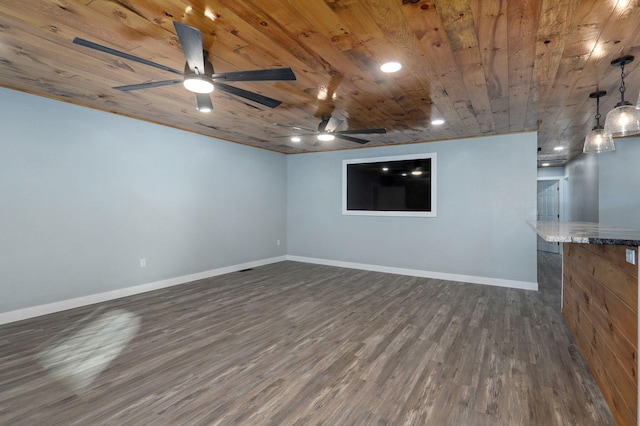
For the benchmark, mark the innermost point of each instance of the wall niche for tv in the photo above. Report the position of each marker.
(403, 185)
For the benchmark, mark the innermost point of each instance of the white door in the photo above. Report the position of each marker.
(548, 210)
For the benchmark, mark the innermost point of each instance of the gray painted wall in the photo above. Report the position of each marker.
(545, 172)
(85, 194)
(619, 177)
(582, 173)
(486, 193)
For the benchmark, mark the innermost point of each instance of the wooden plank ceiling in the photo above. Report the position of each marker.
(484, 66)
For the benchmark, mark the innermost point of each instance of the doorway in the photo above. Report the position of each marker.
(548, 210)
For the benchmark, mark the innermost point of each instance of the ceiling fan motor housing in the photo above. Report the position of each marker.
(196, 81)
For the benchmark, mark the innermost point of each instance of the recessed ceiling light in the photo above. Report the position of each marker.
(295, 139)
(622, 4)
(558, 148)
(437, 122)
(545, 164)
(390, 67)
(325, 137)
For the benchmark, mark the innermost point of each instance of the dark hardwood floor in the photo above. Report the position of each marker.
(295, 343)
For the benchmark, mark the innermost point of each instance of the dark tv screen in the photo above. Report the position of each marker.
(391, 185)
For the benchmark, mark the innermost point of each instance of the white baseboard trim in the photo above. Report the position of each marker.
(522, 285)
(63, 305)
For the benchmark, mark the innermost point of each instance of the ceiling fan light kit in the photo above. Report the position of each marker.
(198, 83)
(325, 137)
(624, 119)
(598, 139)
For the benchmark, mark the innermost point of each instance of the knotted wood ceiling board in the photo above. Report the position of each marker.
(485, 66)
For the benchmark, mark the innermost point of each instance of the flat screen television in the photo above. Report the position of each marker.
(403, 185)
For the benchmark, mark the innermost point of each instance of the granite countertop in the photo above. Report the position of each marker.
(585, 233)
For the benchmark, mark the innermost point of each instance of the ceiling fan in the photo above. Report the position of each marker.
(198, 76)
(327, 131)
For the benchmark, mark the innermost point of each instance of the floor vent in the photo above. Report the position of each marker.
(245, 270)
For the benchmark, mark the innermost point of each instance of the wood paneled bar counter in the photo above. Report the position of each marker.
(600, 304)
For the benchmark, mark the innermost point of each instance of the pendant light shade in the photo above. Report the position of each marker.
(598, 139)
(624, 119)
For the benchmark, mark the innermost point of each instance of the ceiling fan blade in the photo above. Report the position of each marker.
(294, 127)
(333, 124)
(361, 131)
(148, 85)
(275, 74)
(299, 135)
(191, 42)
(350, 138)
(203, 102)
(255, 97)
(105, 49)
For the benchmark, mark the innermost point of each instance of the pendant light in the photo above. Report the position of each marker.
(624, 119)
(598, 140)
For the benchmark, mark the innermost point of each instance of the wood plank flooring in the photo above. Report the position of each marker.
(295, 343)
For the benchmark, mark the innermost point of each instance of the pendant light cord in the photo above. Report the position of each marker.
(623, 88)
(598, 115)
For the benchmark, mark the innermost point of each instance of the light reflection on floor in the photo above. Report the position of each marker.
(81, 352)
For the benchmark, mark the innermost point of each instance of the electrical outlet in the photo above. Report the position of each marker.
(143, 262)
(631, 256)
